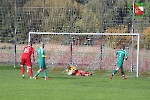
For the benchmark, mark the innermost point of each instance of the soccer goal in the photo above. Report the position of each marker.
(94, 51)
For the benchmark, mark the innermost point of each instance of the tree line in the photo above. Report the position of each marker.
(80, 16)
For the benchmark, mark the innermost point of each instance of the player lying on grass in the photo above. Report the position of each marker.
(121, 55)
(71, 70)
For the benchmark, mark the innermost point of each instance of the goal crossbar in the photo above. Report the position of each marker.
(134, 34)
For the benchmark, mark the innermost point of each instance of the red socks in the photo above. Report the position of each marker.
(30, 72)
(22, 70)
(29, 69)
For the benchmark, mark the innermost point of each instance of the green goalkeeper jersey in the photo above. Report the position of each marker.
(41, 55)
(121, 54)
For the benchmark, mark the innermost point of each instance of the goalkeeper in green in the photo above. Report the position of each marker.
(121, 55)
(41, 62)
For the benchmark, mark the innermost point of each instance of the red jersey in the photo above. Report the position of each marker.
(27, 51)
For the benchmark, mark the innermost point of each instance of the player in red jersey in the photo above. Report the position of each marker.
(26, 59)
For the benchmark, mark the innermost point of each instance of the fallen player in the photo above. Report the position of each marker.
(71, 70)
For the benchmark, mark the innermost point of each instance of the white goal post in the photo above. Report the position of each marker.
(99, 34)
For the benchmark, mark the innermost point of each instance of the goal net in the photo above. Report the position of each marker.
(92, 51)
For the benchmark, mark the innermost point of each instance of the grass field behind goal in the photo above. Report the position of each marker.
(64, 87)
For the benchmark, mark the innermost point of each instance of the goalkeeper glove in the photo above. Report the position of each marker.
(43, 56)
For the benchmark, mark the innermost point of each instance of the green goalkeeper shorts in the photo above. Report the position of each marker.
(119, 64)
(42, 64)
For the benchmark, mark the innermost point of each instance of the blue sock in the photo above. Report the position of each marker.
(45, 73)
(122, 73)
(115, 71)
(37, 73)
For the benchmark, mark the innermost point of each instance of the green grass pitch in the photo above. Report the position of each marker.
(64, 87)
